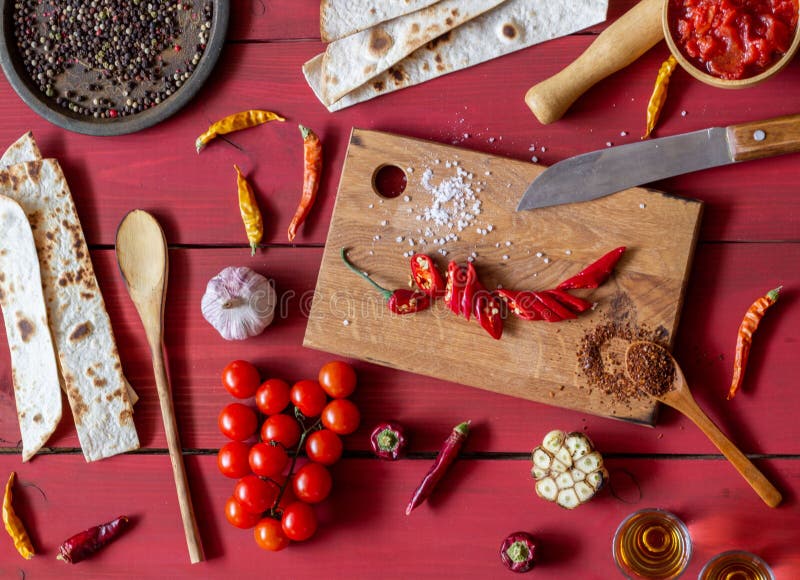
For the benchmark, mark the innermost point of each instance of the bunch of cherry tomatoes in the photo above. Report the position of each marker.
(271, 495)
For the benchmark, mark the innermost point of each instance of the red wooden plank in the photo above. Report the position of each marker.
(158, 168)
(363, 531)
(718, 295)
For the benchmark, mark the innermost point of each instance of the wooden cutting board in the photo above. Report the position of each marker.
(521, 250)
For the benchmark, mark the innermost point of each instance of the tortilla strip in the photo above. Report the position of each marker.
(353, 60)
(22, 150)
(340, 18)
(33, 358)
(87, 354)
(515, 25)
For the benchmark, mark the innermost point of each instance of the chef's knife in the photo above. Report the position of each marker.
(600, 173)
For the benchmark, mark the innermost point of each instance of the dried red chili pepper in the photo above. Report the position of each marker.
(454, 287)
(447, 455)
(594, 274)
(312, 167)
(744, 337)
(400, 301)
(82, 545)
(574, 303)
(471, 287)
(487, 311)
(426, 275)
(520, 302)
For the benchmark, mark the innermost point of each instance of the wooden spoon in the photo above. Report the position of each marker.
(680, 398)
(142, 257)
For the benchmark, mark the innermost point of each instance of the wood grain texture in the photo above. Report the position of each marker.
(764, 138)
(485, 499)
(724, 281)
(536, 358)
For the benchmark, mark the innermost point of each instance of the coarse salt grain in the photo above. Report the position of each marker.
(398, 239)
(568, 252)
(543, 149)
(609, 143)
(683, 113)
(385, 223)
(546, 260)
(376, 238)
(535, 159)
(623, 134)
(406, 198)
(539, 254)
(488, 173)
(505, 256)
(642, 205)
(346, 322)
(508, 243)
(410, 169)
(491, 139)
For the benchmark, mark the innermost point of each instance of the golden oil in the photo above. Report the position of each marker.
(652, 544)
(736, 565)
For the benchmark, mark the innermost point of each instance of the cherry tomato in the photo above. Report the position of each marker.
(237, 421)
(232, 459)
(309, 397)
(341, 416)
(241, 379)
(268, 460)
(312, 483)
(254, 494)
(281, 428)
(239, 517)
(272, 396)
(338, 379)
(270, 536)
(299, 522)
(324, 447)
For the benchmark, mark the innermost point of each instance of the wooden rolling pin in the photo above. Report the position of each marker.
(633, 34)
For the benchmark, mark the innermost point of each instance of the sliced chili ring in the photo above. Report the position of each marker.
(520, 302)
(471, 287)
(595, 273)
(553, 309)
(426, 275)
(574, 303)
(487, 311)
(454, 287)
(405, 301)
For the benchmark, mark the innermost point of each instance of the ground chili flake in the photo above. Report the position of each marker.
(651, 368)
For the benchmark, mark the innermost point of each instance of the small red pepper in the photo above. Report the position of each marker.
(426, 275)
(574, 303)
(82, 545)
(447, 455)
(487, 311)
(454, 287)
(400, 301)
(520, 302)
(554, 306)
(594, 274)
(471, 287)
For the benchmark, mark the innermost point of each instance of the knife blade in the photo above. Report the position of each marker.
(599, 173)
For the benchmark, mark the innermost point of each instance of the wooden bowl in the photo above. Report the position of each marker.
(709, 79)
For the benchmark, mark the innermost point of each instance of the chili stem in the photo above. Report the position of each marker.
(300, 443)
(386, 293)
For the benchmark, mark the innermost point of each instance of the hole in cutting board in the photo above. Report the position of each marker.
(389, 181)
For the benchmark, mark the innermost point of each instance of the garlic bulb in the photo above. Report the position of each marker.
(239, 303)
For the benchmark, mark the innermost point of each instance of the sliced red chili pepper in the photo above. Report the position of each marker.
(520, 302)
(454, 287)
(471, 286)
(487, 311)
(426, 275)
(574, 303)
(551, 309)
(594, 274)
(405, 301)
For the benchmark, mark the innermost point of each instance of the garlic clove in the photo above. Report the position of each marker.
(553, 441)
(547, 489)
(567, 498)
(565, 481)
(564, 456)
(584, 492)
(541, 458)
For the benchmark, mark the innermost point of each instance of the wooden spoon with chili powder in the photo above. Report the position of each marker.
(652, 368)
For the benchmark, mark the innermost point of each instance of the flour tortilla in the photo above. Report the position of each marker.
(33, 358)
(353, 60)
(340, 18)
(512, 26)
(87, 353)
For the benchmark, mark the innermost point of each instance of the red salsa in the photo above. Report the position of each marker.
(733, 39)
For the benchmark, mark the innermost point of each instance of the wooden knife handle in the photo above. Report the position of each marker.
(764, 138)
(633, 34)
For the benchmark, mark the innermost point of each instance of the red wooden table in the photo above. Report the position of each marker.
(750, 242)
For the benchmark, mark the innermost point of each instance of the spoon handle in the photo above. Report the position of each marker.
(175, 455)
(771, 496)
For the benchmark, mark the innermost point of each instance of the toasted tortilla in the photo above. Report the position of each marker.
(353, 60)
(84, 340)
(33, 357)
(512, 26)
(22, 150)
(340, 18)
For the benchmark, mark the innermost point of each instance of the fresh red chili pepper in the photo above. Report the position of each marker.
(82, 545)
(471, 287)
(400, 301)
(554, 306)
(544, 312)
(447, 455)
(744, 337)
(487, 311)
(520, 302)
(574, 303)
(426, 275)
(454, 287)
(594, 274)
